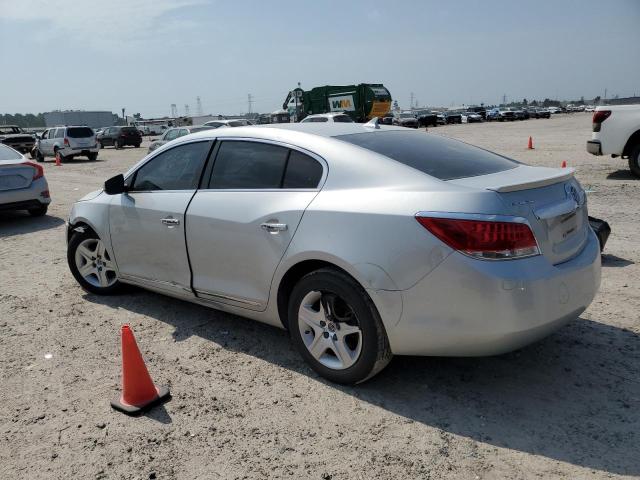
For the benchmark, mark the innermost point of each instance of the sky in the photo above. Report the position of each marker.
(144, 55)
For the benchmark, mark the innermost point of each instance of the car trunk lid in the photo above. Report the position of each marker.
(80, 137)
(15, 175)
(550, 199)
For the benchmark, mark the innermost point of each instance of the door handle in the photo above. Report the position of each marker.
(274, 228)
(170, 222)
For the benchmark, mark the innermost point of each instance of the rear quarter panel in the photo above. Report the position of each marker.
(616, 130)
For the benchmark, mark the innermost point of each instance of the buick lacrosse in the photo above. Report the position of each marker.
(362, 241)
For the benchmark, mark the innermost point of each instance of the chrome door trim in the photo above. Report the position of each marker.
(219, 297)
(163, 284)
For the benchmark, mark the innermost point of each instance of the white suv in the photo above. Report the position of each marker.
(68, 142)
(616, 132)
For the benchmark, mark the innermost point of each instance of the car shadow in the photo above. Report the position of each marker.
(20, 222)
(609, 260)
(572, 397)
(624, 174)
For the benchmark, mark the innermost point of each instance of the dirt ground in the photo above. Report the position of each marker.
(245, 405)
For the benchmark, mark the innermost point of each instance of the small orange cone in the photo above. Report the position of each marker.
(530, 145)
(58, 160)
(564, 164)
(138, 391)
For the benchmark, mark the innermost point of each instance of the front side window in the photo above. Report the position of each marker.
(342, 119)
(176, 169)
(248, 165)
(171, 135)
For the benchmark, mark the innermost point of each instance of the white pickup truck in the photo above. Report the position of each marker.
(616, 132)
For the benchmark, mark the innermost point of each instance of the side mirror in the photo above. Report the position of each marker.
(115, 185)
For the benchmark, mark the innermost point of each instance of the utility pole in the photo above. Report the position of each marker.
(174, 110)
(250, 101)
(124, 119)
(411, 102)
(605, 93)
(186, 109)
(504, 99)
(198, 107)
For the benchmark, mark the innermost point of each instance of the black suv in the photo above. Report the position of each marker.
(119, 137)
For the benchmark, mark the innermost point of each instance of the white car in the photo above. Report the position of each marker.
(238, 122)
(336, 117)
(616, 132)
(22, 184)
(471, 117)
(67, 142)
(589, 108)
(553, 110)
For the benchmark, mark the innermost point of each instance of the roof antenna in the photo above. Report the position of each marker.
(373, 123)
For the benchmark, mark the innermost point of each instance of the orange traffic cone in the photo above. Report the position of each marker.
(564, 164)
(58, 160)
(138, 390)
(530, 145)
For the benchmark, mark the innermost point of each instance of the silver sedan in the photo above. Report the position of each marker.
(362, 241)
(22, 183)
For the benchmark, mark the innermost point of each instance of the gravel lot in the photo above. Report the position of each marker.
(245, 406)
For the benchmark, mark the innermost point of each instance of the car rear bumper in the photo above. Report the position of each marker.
(36, 195)
(66, 151)
(469, 307)
(594, 147)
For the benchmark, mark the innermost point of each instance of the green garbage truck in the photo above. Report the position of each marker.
(361, 102)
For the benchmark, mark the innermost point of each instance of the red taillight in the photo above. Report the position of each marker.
(599, 117)
(66, 141)
(483, 239)
(39, 173)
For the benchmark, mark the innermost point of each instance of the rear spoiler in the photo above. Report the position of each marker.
(560, 176)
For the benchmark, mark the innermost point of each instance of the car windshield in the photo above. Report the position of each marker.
(7, 153)
(440, 157)
(79, 132)
(9, 130)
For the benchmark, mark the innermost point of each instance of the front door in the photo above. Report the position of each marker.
(239, 227)
(147, 222)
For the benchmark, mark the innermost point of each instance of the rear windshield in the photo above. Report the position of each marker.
(79, 132)
(342, 119)
(7, 153)
(440, 157)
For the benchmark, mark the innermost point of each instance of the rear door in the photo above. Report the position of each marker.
(80, 137)
(147, 223)
(241, 223)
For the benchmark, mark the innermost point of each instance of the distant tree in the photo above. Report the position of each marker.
(534, 103)
(582, 99)
(596, 100)
(524, 102)
(137, 116)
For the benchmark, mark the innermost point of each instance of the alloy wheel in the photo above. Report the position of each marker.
(330, 330)
(95, 264)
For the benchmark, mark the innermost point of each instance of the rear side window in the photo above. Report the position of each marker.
(60, 133)
(342, 119)
(440, 157)
(79, 132)
(316, 120)
(248, 165)
(178, 168)
(302, 171)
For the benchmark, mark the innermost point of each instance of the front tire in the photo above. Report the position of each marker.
(92, 157)
(634, 160)
(336, 327)
(92, 265)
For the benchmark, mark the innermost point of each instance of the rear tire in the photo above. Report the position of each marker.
(354, 329)
(634, 160)
(39, 156)
(87, 252)
(38, 212)
(92, 157)
(119, 144)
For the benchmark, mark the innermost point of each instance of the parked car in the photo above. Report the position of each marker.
(22, 183)
(229, 123)
(174, 133)
(471, 117)
(16, 138)
(616, 132)
(405, 119)
(482, 111)
(67, 143)
(120, 137)
(441, 118)
(296, 225)
(553, 110)
(387, 119)
(337, 117)
(589, 108)
(539, 113)
(452, 117)
(493, 114)
(506, 115)
(427, 118)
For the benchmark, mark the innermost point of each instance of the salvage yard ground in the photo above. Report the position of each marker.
(246, 406)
